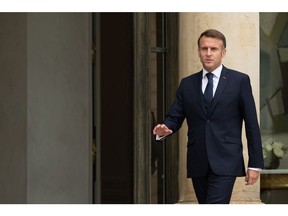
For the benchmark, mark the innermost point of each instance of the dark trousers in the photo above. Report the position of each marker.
(213, 189)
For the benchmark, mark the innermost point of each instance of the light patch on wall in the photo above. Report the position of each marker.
(248, 32)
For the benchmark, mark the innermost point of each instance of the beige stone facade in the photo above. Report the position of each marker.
(242, 35)
(46, 87)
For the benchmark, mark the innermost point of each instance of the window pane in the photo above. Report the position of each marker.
(274, 106)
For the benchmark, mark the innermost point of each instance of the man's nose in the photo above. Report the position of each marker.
(209, 51)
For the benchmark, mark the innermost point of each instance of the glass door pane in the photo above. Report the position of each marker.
(274, 106)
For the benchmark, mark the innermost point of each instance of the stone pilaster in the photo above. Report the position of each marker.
(242, 34)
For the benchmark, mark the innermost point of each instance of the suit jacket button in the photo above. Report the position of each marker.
(208, 121)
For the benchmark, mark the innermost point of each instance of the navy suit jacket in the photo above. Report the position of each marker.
(215, 138)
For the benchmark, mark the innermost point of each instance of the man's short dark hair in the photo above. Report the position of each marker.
(213, 34)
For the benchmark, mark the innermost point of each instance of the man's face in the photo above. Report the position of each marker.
(211, 52)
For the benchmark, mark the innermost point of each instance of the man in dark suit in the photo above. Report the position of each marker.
(215, 106)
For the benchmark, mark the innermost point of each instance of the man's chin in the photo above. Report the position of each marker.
(209, 68)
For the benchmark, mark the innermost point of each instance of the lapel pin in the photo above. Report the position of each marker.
(224, 77)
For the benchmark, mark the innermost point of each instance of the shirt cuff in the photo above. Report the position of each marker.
(255, 169)
(160, 138)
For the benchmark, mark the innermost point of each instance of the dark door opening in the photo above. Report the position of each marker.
(117, 177)
(113, 105)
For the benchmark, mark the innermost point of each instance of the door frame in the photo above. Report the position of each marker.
(142, 109)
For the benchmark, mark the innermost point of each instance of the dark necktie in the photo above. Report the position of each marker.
(208, 93)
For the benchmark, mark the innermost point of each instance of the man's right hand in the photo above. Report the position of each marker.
(162, 130)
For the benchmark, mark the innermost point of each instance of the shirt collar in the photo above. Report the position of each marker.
(216, 72)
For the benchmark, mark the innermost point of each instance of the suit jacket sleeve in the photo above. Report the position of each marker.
(176, 116)
(253, 135)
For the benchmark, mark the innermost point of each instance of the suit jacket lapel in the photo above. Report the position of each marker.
(220, 88)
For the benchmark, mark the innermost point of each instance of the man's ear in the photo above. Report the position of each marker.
(223, 53)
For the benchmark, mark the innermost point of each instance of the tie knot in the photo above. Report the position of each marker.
(209, 76)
